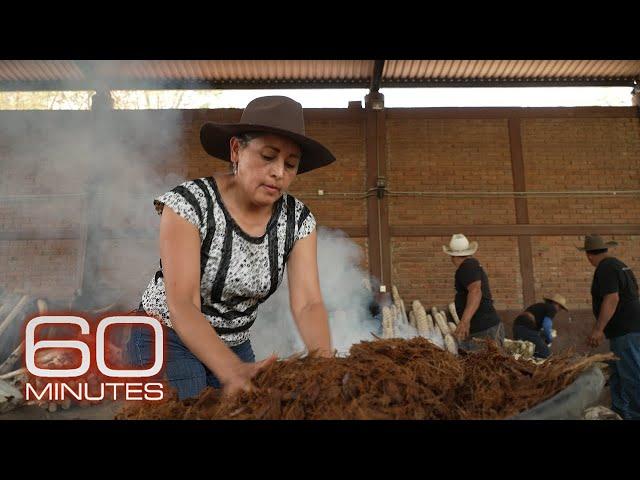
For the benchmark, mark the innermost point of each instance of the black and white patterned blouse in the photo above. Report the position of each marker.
(237, 271)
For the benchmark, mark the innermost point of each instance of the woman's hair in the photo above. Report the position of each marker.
(245, 137)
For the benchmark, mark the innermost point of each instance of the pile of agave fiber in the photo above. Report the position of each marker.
(384, 379)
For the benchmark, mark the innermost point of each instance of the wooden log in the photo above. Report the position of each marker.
(11, 360)
(430, 325)
(13, 314)
(436, 336)
(395, 295)
(404, 312)
(454, 314)
(7, 302)
(421, 319)
(442, 324)
(450, 344)
(387, 322)
(109, 307)
(15, 373)
(10, 397)
(11, 327)
(42, 305)
(412, 319)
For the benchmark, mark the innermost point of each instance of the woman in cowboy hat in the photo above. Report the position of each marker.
(535, 324)
(224, 243)
(616, 306)
(474, 304)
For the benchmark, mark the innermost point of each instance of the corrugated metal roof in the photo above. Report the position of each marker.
(39, 70)
(61, 74)
(460, 71)
(244, 70)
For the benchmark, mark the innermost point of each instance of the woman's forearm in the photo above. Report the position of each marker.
(313, 325)
(203, 341)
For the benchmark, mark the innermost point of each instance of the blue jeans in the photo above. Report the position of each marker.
(181, 368)
(495, 333)
(625, 376)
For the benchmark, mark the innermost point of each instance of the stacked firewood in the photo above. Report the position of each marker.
(14, 309)
(438, 325)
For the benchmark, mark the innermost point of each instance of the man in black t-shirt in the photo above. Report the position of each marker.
(616, 306)
(535, 324)
(474, 304)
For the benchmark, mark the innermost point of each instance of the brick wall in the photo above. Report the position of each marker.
(145, 153)
(422, 271)
(463, 155)
(46, 268)
(582, 154)
(422, 154)
(559, 267)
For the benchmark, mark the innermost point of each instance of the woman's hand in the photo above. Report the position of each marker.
(239, 378)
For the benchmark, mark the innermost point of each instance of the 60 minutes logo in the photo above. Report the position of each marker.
(59, 390)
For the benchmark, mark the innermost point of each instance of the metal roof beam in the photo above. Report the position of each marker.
(376, 76)
(124, 84)
(487, 82)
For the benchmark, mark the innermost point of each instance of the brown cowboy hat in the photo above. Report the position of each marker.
(559, 299)
(274, 114)
(595, 242)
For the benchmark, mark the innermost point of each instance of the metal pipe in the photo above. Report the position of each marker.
(566, 193)
(371, 191)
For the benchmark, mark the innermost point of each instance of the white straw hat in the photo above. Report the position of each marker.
(459, 246)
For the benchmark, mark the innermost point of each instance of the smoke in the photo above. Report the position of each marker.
(135, 148)
(93, 174)
(346, 294)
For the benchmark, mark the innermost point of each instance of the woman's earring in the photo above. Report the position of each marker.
(235, 168)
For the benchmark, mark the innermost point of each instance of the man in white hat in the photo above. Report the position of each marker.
(479, 318)
(616, 306)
